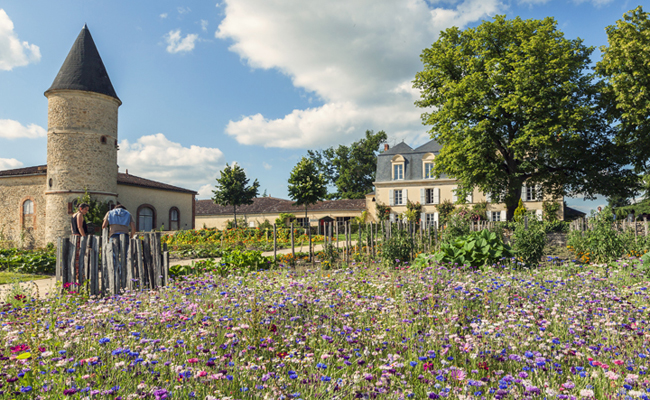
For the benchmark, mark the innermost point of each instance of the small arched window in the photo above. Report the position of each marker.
(146, 218)
(27, 215)
(103, 139)
(174, 219)
(28, 207)
(427, 166)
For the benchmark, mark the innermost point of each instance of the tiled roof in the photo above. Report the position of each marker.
(39, 169)
(122, 179)
(274, 205)
(83, 68)
(132, 180)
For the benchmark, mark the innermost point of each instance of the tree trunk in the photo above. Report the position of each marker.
(235, 221)
(308, 224)
(512, 200)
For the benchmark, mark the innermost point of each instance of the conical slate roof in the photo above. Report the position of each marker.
(83, 68)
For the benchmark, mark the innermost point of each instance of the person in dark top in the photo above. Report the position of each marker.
(78, 222)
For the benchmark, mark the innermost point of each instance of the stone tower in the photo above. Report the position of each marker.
(81, 135)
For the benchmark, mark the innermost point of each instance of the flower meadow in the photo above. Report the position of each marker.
(563, 331)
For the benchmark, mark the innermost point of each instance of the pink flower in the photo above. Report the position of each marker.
(193, 360)
(618, 362)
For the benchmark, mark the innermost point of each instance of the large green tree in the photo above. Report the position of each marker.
(351, 169)
(306, 185)
(512, 103)
(232, 189)
(626, 67)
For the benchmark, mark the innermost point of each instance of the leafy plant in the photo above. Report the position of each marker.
(600, 244)
(413, 211)
(97, 210)
(245, 261)
(28, 261)
(520, 211)
(283, 219)
(550, 210)
(445, 209)
(232, 189)
(529, 241)
(383, 211)
(397, 249)
(474, 249)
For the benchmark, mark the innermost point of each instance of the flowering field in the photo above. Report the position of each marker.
(563, 331)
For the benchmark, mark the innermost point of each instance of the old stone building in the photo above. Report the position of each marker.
(36, 202)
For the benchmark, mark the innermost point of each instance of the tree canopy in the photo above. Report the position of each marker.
(350, 169)
(512, 103)
(306, 184)
(232, 189)
(626, 67)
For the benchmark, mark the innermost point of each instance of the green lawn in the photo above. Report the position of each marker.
(11, 277)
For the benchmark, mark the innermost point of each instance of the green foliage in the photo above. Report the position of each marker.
(266, 225)
(520, 211)
(351, 169)
(329, 256)
(510, 102)
(413, 211)
(230, 224)
(601, 244)
(550, 210)
(284, 219)
(383, 212)
(625, 65)
(445, 209)
(239, 261)
(474, 249)
(306, 185)
(397, 249)
(529, 243)
(28, 261)
(232, 189)
(97, 210)
(480, 210)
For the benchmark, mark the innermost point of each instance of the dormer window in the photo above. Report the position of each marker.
(398, 167)
(427, 166)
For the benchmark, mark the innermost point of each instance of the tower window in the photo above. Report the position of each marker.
(103, 139)
(50, 182)
(28, 207)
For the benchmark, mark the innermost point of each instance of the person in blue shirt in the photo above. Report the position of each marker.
(119, 221)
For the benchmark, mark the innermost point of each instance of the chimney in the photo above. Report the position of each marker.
(127, 171)
(386, 146)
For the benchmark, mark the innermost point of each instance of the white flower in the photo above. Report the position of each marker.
(587, 393)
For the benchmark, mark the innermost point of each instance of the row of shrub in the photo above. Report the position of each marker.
(40, 261)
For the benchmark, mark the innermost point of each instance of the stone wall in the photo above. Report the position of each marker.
(220, 221)
(15, 230)
(132, 197)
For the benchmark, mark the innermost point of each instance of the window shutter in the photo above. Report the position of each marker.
(539, 213)
(488, 197)
(405, 196)
(392, 217)
(391, 197)
(436, 196)
(538, 193)
(503, 215)
(454, 197)
(523, 193)
(469, 198)
(489, 215)
(435, 219)
(423, 218)
(422, 195)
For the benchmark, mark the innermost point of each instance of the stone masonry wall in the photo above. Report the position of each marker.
(14, 230)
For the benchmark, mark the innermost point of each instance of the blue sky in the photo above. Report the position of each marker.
(256, 82)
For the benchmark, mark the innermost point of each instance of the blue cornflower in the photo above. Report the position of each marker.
(413, 363)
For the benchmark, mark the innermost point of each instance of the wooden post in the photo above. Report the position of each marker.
(104, 267)
(110, 266)
(71, 259)
(129, 264)
(293, 250)
(124, 251)
(159, 273)
(310, 253)
(336, 229)
(166, 268)
(140, 260)
(94, 268)
(275, 242)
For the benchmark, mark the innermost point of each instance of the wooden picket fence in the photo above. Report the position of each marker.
(139, 263)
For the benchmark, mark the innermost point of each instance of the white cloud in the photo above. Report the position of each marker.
(357, 57)
(267, 166)
(204, 25)
(156, 157)
(176, 43)
(9, 163)
(163, 15)
(533, 2)
(13, 52)
(183, 10)
(10, 129)
(597, 3)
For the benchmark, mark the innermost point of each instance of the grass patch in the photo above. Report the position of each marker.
(11, 277)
